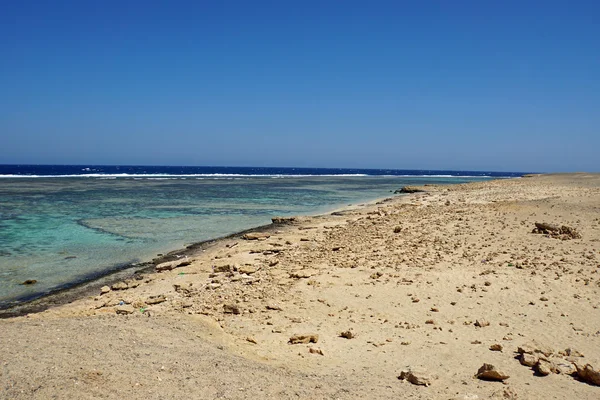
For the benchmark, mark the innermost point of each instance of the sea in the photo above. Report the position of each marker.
(64, 224)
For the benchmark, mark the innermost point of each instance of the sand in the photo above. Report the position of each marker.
(439, 283)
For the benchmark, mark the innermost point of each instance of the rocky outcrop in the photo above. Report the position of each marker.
(558, 232)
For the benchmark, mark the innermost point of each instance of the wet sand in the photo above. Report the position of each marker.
(436, 282)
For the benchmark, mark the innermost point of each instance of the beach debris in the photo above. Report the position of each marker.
(231, 309)
(104, 290)
(257, 236)
(416, 376)
(348, 334)
(588, 374)
(170, 265)
(489, 372)
(156, 299)
(124, 309)
(559, 232)
(120, 286)
(409, 189)
(29, 282)
(303, 339)
(312, 350)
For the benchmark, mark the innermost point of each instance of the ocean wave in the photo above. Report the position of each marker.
(176, 176)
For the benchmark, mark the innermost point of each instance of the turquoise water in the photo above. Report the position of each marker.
(60, 230)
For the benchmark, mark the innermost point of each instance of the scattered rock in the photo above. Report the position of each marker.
(534, 347)
(124, 310)
(104, 289)
(248, 269)
(284, 220)
(29, 282)
(168, 266)
(564, 232)
(315, 351)
(303, 273)
(303, 339)
(587, 373)
(231, 309)
(488, 372)
(416, 376)
(274, 307)
(409, 189)
(496, 347)
(481, 323)
(529, 360)
(348, 335)
(223, 268)
(120, 286)
(544, 367)
(257, 236)
(251, 340)
(156, 299)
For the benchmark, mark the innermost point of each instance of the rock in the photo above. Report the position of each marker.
(534, 347)
(546, 228)
(274, 307)
(588, 374)
(223, 268)
(481, 323)
(104, 289)
(231, 309)
(565, 368)
(257, 236)
(168, 266)
(409, 189)
(213, 286)
(507, 393)
(416, 376)
(303, 339)
(284, 220)
(529, 360)
(564, 232)
(156, 299)
(315, 351)
(248, 269)
(303, 273)
(348, 335)
(120, 286)
(488, 372)
(29, 282)
(251, 340)
(496, 347)
(124, 310)
(569, 352)
(544, 367)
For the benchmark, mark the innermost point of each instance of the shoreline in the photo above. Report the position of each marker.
(91, 283)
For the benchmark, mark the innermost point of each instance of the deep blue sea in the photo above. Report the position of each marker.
(61, 224)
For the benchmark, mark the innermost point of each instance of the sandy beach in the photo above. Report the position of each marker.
(408, 297)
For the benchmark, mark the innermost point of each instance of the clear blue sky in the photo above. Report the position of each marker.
(487, 85)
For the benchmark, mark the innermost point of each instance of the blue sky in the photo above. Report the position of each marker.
(479, 85)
